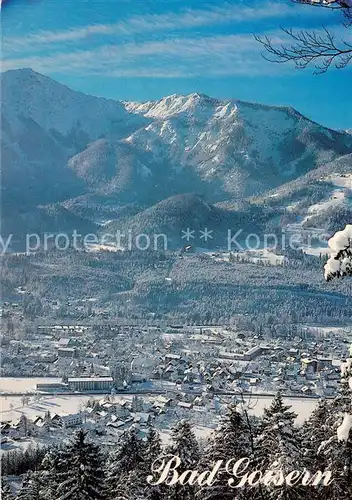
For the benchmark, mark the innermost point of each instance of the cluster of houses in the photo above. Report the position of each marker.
(179, 372)
(295, 368)
(25, 427)
(99, 358)
(111, 415)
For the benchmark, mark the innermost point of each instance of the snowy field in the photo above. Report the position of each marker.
(265, 255)
(302, 406)
(340, 196)
(326, 331)
(337, 197)
(340, 180)
(11, 407)
(97, 247)
(21, 385)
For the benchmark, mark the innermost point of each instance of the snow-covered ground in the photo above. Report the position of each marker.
(97, 247)
(200, 431)
(11, 407)
(340, 180)
(265, 255)
(326, 331)
(337, 198)
(21, 385)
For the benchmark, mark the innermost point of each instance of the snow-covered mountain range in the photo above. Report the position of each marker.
(92, 155)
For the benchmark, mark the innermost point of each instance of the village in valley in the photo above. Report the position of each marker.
(108, 377)
(176, 250)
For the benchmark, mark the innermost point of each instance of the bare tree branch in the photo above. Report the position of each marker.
(318, 48)
(345, 6)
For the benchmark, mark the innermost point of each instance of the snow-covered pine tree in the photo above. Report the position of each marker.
(80, 473)
(134, 485)
(51, 466)
(24, 425)
(5, 490)
(278, 447)
(231, 441)
(51, 459)
(153, 447)
(129, 487)
(317, 428)
(32, 487)
(343, 401)
(153, 451)
(127, 458)
(47, 420)
(185, 446)
(337, 450)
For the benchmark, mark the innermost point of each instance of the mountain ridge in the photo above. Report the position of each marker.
(65, 147)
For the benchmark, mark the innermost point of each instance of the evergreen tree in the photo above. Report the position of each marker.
(338, 460)
(231, 441)
(343, 401)
(80, 474)
(128, 488)
(5, 490)
(16, 462)
(185, 446)
(52, 465)
(337, 449)
(153, 451)
(316, 429)
(24, 425)
(32, 487)
(133, 484)
(278, 447)
(153, 448)
(127, 458)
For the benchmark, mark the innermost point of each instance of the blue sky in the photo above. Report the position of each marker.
(146, 49)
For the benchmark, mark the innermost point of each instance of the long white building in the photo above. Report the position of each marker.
(90, 384)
